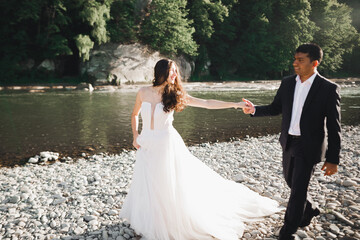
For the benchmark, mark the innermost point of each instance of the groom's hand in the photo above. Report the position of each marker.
(329, 168)
(249, 107)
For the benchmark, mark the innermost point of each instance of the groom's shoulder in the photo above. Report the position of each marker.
(289, 78)
(327, 82)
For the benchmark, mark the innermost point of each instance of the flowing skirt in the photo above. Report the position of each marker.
(174, 195)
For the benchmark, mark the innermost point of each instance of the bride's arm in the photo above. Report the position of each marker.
(212, 104)
(135, 119)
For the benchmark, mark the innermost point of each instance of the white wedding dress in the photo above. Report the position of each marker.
(173, 195)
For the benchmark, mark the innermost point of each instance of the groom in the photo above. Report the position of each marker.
(310, 132)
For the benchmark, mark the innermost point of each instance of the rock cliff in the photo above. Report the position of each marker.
(120, 64)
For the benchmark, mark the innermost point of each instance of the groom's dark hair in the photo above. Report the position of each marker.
(313, 50)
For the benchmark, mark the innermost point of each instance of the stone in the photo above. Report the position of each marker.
(239, 178)
(342, 218)
(44, 219)
(113, 212)
(14, 199)
(335, 229)
(118, 64)
(105, 235)
(331, 235)
(247, 235)
(47, 65)
(93, 222)
(301, 234)
(58, 201)
(78, 231)
(33, 160)
(349, 183)
(53, 224)
(89, 218)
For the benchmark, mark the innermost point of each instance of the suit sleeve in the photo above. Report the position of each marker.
(333, 117)
(272, 109)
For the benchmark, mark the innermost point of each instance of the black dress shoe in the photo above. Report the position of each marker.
(286, 237)
(307, 219)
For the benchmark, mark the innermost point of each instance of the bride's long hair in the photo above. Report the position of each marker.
(173, 96)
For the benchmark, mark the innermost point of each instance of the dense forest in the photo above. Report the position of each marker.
(226, 39)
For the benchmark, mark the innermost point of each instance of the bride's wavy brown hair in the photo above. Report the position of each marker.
(173, 96)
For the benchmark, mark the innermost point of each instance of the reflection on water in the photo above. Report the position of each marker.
(74, 122)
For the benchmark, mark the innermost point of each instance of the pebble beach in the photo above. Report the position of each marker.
(82, 198)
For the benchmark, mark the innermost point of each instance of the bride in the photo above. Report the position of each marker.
(174, 195)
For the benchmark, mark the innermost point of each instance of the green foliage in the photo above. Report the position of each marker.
(122, 26)
(167, 28)
(205, 14)
(352, 60)
(96, 14)
(84, 44)
(225, 38)
(335, 34)
(259, 39)
(48, 29)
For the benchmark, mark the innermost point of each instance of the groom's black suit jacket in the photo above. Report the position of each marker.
(320, 118)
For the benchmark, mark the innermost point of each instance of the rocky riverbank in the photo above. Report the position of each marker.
(82, 199)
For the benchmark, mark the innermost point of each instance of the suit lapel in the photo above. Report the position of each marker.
(291, 95)
(313, 90)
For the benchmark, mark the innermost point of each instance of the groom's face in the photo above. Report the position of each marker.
(302, 64)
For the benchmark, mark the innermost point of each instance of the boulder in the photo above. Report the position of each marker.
(118, 64)
(85, 87)
(47, 65)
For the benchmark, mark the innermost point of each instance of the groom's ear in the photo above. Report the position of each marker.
(315, 63)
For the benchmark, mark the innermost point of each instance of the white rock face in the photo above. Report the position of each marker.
(48, 65)
(132, 63)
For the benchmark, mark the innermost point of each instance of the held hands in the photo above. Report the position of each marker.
(249, 107)
(239, 105)
(329, 168)
(135, 144)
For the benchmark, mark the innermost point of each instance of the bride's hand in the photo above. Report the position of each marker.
(135, 144)
(249, 107)
(240, 105)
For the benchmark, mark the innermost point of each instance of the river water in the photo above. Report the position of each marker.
(73, 122)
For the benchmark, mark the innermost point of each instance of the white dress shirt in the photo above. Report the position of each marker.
(301, 91)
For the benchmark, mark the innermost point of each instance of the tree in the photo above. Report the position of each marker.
(30, 29)
(352, 60)
(205, 14)
(259, 38)
(88, 24)
(49, 29)
(166, 28)
(335, 34)
(122, 25)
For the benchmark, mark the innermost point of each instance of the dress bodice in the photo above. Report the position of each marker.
(162, 120)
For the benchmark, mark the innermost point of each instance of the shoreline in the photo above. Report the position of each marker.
(86, 152)
(82, 199)
(36, 88)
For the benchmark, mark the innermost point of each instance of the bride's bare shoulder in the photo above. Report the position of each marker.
(144, 92)
(145, 89)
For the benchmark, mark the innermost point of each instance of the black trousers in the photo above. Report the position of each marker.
(297, 172)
